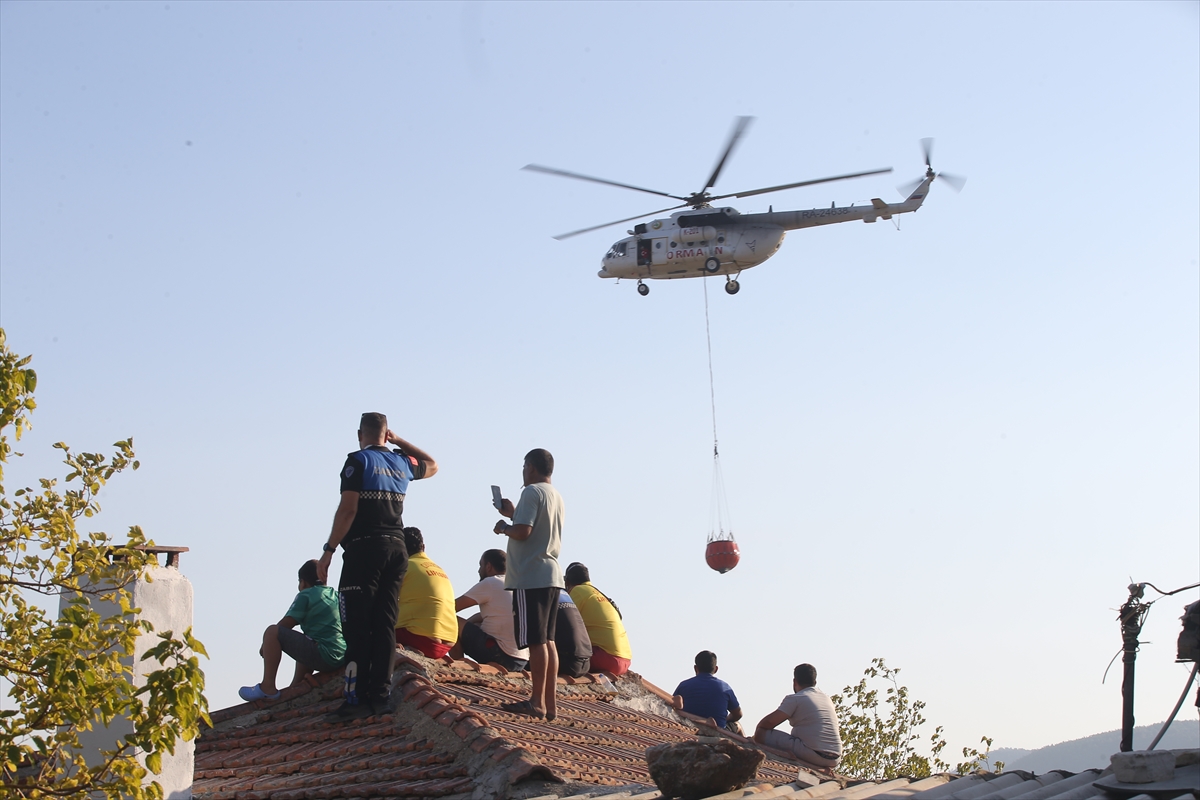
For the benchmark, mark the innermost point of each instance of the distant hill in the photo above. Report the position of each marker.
(1092, 752)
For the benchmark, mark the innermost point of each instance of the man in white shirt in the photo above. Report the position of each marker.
(815, 738)
(488, 637)
(534, 542)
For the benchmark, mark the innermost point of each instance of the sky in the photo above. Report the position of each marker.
(227, 229)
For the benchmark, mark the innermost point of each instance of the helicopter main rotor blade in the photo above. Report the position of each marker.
(564, 174)
(802, 183)
(562, 236)
(739, 127)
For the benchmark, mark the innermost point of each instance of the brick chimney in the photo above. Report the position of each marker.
(166, 602)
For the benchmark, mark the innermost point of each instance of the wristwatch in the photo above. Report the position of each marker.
(328, 548)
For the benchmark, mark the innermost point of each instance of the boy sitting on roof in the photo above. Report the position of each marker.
(610, 645)
(706, 695)
(489, 636)
(426, 621)
(320, 648)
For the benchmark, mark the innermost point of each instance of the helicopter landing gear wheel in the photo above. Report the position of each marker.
(643, 289)
(712, 265)
(732, 286)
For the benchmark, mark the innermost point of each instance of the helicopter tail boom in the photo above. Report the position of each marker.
(811, 218)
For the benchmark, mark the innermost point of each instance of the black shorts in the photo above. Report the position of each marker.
(485, 649)
(535, 612)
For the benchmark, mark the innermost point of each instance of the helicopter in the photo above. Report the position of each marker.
(704, 240)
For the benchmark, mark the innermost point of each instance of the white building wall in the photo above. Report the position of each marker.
(166, 602)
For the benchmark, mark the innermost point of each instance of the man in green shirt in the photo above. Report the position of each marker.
(320, 648)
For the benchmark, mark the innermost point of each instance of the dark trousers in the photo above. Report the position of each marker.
(486, 650)
(372, 570)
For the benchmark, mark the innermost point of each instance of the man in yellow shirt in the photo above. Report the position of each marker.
(427, 621)
(610, 645)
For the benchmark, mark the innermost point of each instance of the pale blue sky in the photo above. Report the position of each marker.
(226, 229)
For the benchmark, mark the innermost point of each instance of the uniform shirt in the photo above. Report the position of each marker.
(570, 634)
(317, 611)
(706, 695)
(814, 720)
(495, 603)
(533, 563)
(381, 478)
(427, 601)
(602, 620)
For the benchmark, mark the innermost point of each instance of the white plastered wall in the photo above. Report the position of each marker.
(166, 602)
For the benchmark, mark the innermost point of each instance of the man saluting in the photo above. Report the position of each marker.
(369, 527)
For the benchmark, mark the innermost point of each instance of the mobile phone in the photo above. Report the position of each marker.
(496, 498)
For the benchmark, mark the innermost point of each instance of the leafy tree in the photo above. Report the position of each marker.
(74, 673)
(881, 743)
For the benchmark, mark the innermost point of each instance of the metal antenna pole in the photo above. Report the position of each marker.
(1133, 613)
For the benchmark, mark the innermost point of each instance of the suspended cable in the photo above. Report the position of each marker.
(722, 551)
(712, 395)
(1186, 687)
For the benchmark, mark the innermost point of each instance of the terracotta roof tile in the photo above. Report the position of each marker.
(447, 736)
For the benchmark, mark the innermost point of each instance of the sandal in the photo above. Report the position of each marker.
(523, 707)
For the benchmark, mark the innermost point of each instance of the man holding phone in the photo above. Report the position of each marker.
(369, 527)
(534, 576)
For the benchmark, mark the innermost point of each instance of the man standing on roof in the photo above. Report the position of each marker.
(815, 738)
(426, 620)
(488, 637)
(369, 527)
(534, 541)
(706, 695)
(610, 645)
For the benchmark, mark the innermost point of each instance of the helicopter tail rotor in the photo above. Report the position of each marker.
(906, 189)
(955, 182)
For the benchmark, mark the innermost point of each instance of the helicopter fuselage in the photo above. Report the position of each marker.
(722, 241)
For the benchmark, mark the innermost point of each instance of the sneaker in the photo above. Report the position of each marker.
(351, 683)
(348, 711)
(255, 692)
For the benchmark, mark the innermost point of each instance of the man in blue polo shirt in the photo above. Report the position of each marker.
(706, 695)
(369, 527)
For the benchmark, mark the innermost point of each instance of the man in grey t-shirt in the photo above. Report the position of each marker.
(534, 541)
(815, 738)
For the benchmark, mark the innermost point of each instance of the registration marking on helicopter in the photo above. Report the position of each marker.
(696, 251)
(825, 212)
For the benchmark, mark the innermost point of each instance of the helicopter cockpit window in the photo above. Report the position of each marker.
(617, 250)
